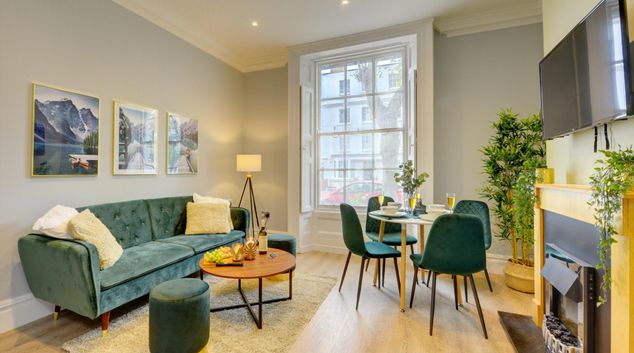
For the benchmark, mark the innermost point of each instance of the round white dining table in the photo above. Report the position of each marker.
(405, 220)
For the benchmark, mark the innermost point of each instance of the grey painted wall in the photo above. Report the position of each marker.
(100, 48)
(266, 132)
(476, 76)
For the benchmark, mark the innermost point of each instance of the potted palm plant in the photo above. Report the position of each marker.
(511, 159)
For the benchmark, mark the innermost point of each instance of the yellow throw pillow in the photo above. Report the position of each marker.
(216, 200)
(87, 227)
(207, 218)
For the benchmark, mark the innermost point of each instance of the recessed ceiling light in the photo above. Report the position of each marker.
(254, 24)
(345, 2)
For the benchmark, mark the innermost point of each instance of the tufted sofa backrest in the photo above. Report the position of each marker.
(128, 221)
(168, 215)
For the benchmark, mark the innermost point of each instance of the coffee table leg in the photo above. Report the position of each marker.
(290, 284)
(259, 321)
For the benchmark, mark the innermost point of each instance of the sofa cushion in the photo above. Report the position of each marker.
(203, 242)
(139, 260)
(128, 221)
(168, 215)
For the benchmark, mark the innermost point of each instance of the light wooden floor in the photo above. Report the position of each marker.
(378, 325)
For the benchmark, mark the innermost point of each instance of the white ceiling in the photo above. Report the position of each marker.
(223, 27)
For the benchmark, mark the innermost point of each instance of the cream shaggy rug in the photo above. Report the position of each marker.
(231, 330)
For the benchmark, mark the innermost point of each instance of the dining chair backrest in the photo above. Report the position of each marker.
(374, 225)
(351, 228)
(480, 210)
(455, 245)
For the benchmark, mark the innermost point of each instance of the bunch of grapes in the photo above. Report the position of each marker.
(219, 255)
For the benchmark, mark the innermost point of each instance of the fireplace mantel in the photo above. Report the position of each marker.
(572, 201)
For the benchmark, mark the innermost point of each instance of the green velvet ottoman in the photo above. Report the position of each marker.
(283, 241)
(179, 316)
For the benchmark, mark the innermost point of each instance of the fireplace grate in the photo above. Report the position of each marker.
(558, 337)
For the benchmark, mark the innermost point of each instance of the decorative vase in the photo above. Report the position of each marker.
(545, 175)
(519, 277)
(250, 249)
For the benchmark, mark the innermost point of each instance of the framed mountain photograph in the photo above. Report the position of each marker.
(182, 144)
(135, 139)
(65, 132)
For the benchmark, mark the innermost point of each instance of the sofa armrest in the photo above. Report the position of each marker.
(62, 272)
(240, 217)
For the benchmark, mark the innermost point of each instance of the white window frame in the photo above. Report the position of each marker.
(405, 91)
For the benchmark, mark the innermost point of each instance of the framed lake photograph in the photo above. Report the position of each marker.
(135, 139)
(65, 132)
(182, 144)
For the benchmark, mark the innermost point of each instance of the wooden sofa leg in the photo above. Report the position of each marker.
(56, 312)
(105, 320)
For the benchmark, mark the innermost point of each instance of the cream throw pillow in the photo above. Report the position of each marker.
(214, 200)
(207, 218)
(54, 223)
(87, 227)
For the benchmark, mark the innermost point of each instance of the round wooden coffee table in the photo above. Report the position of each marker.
(273, 263)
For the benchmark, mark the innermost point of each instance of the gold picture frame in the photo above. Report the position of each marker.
(181, 145)
(64, 132)
(134, 139)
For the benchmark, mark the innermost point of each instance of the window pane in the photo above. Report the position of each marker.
(331, 152)
(359, 151)
(331, 187)
(389, 111)
(360, 77)
(360, 113)
(388, 149)
(358, 187)
(330, 116)
(331, 80)
(384, 183)
(389, 73)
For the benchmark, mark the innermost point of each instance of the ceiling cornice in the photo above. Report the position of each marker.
(506, 17)
(214, 49)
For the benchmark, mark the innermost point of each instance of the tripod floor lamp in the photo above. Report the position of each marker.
(249, 163)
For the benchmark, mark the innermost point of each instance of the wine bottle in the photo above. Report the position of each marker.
(263, 241)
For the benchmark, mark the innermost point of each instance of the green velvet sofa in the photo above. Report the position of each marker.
(66, 272)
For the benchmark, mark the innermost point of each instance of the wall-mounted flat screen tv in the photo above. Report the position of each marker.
(585, 78)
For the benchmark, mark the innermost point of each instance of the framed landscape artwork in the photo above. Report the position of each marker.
(135, 139)
(182, 144)
(65, 132)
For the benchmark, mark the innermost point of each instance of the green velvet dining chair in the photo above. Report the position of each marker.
(454, 246)
(480, 210)
(353, 238)
(391, 233)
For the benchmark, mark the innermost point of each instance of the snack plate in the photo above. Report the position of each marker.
(398, 214)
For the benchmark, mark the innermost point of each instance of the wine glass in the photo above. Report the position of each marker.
(412, 204)
(451, 200)
(381, 198)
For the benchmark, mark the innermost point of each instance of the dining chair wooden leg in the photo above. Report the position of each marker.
(428, 278)
(363, 259)
(414, 283)
(411, 249)
(477, 300)
(433, 304)
(383, 273)
(454, 279)
(398, 276)
(345, 268)
(466, 292)
(379, 277)
(486, 274)
(367, 264)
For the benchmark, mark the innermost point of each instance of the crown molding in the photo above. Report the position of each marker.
(214, 49)
(273, 60)
(505, 17)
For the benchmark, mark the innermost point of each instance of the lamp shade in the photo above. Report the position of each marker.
(249, 162)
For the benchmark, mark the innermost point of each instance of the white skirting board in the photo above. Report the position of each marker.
(18, 311)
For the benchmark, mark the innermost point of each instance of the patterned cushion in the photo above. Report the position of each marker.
(168, 215)
(128, 221)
